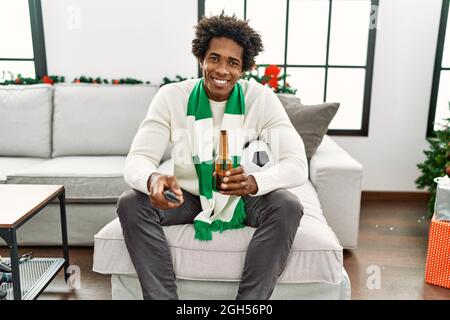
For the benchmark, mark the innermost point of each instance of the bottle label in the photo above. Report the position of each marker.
(221, 169)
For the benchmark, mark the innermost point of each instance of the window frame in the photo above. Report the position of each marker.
(37, 35)
(368, 66)
(437, 68)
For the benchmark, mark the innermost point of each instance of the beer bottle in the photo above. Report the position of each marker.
(223, 161)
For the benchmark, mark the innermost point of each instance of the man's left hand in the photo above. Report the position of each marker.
(237, 183)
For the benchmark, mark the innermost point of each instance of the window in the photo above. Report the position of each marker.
(440, 92)
(325, 46)
(22, 49)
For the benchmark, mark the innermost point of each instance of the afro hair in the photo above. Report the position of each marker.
(229, 27)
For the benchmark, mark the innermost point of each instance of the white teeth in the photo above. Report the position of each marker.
(220, 81)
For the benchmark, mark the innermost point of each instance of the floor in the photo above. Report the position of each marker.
(389, 262)
(392, 244)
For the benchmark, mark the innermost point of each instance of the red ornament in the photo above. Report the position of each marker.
(273, 83)
(116, 81)
(47, 79)
(76, 81)
(17, 80)
(272, 71)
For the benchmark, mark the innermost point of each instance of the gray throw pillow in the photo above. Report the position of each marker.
(311, 122)
(287, 98)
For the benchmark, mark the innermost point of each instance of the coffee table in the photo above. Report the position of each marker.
(18, 204)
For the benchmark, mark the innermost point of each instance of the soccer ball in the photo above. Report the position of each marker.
(256, 156)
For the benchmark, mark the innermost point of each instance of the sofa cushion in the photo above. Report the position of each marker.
(98, 119)
(316, 255)
(84, 178)
(10, 165)
(287, 98)
(311, 122)
(25, 120)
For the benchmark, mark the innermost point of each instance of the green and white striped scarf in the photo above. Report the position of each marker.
(219, 212)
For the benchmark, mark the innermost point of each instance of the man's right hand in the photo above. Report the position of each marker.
(157, 184)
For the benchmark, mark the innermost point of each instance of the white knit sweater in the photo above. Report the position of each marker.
(166, 122)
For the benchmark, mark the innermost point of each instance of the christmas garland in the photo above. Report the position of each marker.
(178, 78)
(270, 78)
(84, 79)
(19, 80)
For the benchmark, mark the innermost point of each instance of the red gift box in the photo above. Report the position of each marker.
(437, 270)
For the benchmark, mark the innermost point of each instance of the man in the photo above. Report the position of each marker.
(225, 48)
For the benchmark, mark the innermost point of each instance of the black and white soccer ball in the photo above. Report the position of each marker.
(256, 156)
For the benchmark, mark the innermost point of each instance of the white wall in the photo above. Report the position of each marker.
(141, 39)
(403, 70)
(152, 39)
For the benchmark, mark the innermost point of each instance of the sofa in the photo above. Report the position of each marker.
(76, 135)
(79, 135)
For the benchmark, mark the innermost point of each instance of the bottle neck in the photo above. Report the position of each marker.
(223, 145)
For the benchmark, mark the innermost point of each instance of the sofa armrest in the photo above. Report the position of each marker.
(337, 177)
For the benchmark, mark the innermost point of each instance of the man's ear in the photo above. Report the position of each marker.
(242, 73)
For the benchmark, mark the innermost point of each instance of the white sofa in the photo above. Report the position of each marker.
(79, 135)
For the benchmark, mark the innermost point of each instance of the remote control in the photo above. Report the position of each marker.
(4, 267)
(169, 195)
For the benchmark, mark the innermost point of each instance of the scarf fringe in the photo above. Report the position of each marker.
(203, 230)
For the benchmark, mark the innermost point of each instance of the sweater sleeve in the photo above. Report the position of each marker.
(149, 144)
(291, 167)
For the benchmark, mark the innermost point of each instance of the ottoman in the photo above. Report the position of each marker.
(212, 269)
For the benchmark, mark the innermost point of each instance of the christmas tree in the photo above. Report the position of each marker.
(437, 163)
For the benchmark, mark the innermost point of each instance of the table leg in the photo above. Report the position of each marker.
(62, 208)
(15, 265)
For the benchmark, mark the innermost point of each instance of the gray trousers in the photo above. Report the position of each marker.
(276, 217)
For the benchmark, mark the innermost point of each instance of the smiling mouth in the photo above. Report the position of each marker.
(220, 82)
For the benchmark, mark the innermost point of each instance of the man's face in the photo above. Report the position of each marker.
(221, 67)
